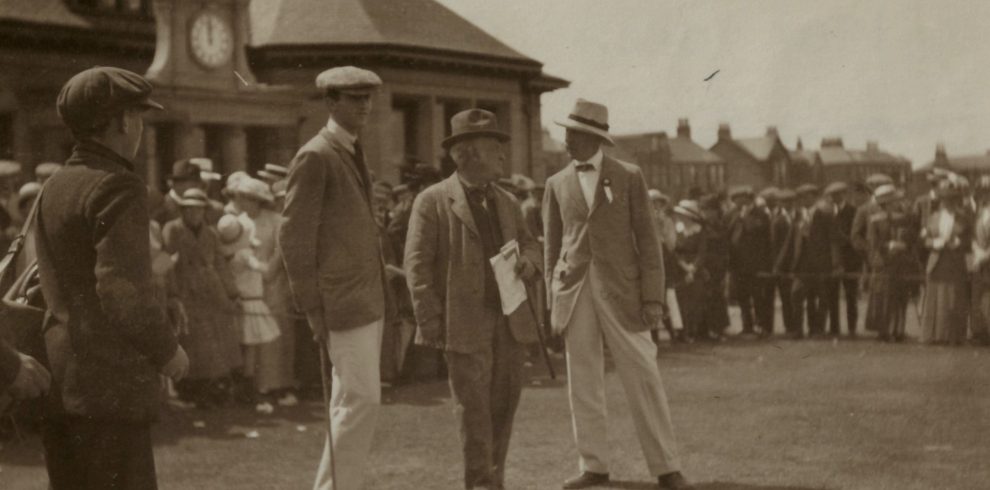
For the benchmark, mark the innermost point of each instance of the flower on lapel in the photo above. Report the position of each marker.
(607, 184)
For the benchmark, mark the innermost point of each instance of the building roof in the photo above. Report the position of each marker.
(967, 163)
(409, 23)
(759, 148)
(682, 149)
(48, 12)
(842, 156)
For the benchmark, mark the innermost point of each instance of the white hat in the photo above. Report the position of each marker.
(194, 198)
(253, 188)
(205, 169)
(886, 193)
(28, 191)
(589, 117)
(273, 173)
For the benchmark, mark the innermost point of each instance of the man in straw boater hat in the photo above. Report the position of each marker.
(604, 275)
(455, 228)
(890, 246)
(107, 337)
(333, 257)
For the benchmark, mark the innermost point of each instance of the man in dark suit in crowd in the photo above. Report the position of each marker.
(332, 252)
(107, 338)
(749, 256)
(456, 227)
(813, 253)
(852, 260)
(781, 222)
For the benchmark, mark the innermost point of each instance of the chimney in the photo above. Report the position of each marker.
(772, 131)
(724, 133)
(683, 128)
(832, 142)
(800, 145)
(872, 147)
(941, 158)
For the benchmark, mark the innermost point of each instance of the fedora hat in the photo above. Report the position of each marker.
(473, 123)
(689, 209)
(589, 117)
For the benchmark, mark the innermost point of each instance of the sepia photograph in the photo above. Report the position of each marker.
(494, 244)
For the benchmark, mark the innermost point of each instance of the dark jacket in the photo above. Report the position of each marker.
(780, 229)
(108, 337)
(10, 364)
(749, 241)
(812, 244)
(845, 218)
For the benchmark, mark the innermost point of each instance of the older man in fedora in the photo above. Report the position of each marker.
(332, 253)
(455, 228)
(604, 275)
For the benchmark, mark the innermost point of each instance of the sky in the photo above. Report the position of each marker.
(905, 73)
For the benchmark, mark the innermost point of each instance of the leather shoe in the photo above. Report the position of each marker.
(674, 481)
(586, 479)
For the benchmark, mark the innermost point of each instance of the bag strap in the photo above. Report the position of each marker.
(17, 245)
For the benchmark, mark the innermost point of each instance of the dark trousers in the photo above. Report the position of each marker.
(486, 387)
(850, 288)
(750, 292)
(783, 287)
(809, 294)
(83, 454)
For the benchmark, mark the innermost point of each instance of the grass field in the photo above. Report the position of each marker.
(750, 415)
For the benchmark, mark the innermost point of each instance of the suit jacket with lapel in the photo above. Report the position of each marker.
(445, 261)
(614, 247)
(812, 244)
(329, 239)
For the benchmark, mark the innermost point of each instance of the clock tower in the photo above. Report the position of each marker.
(200, 44)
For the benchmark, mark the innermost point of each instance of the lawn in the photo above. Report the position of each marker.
(750, 415)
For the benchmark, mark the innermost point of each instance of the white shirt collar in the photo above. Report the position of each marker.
(595, 161)
(343, 136)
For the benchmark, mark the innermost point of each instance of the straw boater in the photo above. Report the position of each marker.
(604, 277)
(456, 227)
(273, 173)
(333, 257)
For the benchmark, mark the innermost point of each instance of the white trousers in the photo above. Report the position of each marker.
(635, 357)
(354, 405)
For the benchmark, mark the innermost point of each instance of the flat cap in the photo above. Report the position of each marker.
(769, 192)
(836, 187)
(740, 190)
(785, 195)
(9, 168)
(807, 189)
(877, 180)
(348, 79)
(93, 96)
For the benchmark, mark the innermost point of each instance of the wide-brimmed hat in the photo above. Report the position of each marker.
(656, 195)
(689, 209)
(768, 193)
(473, 123)
(589, 117)
(47, 169)
(27, 192)
(887, 193)
(947, 189)
(194, 198)
(805, 189)
(9, 168)
(274, 173)
(252, 188)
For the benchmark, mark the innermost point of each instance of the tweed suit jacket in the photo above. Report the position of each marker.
(614, 247)
(444, 263)
(329, 239)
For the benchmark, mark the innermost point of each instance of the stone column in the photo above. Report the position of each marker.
(190, 141)
(233, 147)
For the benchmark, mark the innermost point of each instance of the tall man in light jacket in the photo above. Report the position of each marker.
(333, 257)
(455, 228)
(604, 275)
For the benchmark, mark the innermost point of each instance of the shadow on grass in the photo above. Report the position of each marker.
(417, 394)
(630, 485)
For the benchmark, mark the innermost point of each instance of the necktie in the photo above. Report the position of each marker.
(361, 166)
(584, 167)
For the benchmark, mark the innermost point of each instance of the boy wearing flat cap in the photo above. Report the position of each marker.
(92, 243)
(455, 228)
(332, 253)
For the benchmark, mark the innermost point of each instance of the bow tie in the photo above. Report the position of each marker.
(584, 167)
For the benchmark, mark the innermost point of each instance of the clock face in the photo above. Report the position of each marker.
(211, 39)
